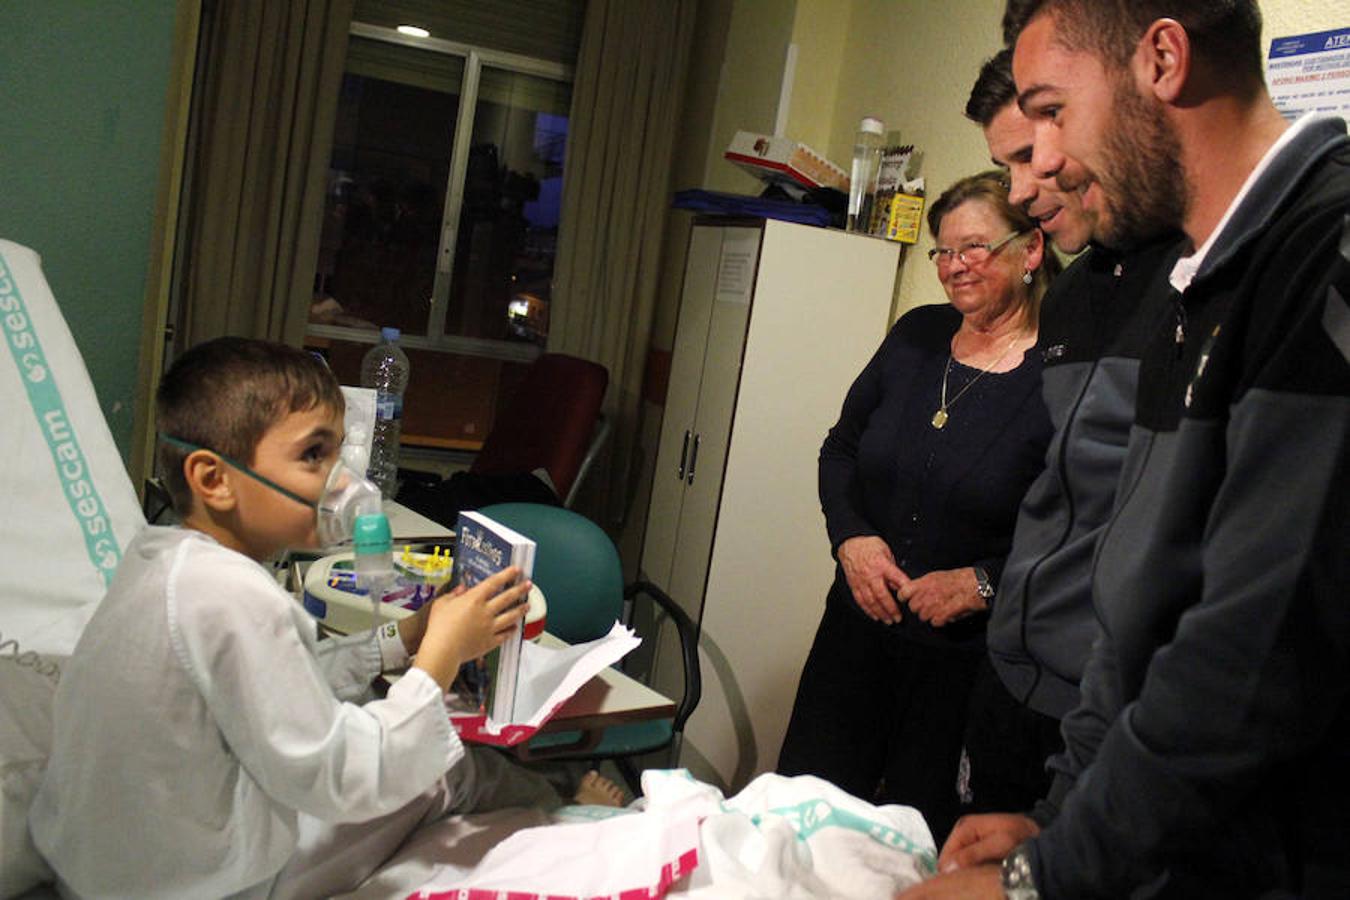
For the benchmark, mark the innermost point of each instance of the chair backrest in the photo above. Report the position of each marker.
(575, 565)
(549, 422)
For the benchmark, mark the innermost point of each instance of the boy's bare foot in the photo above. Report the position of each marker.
(597, 790)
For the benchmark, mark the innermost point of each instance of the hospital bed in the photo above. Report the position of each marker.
(71, 510)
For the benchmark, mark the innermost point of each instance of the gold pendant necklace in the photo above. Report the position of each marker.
(939, 420)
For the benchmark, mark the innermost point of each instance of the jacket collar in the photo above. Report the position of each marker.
(1267, 197)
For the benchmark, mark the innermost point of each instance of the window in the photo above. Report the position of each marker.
(441, 219)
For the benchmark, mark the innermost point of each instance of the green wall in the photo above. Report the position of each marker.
(82, 102)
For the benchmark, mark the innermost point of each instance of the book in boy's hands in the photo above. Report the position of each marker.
(484, 547)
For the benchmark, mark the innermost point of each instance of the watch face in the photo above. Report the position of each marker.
(984, 587)
(1015, 875)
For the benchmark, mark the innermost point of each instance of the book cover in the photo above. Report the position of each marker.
(484, 547)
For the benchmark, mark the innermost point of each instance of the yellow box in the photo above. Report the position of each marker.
(905, 218)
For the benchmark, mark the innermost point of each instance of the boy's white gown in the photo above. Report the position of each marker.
(199, 719)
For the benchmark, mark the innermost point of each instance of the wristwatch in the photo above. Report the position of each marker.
(1015, 876)
(983, 586)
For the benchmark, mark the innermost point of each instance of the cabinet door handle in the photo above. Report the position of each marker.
(693, 459)
(684, 455)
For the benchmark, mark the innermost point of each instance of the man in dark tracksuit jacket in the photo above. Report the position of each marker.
(1093, 324)
(1209, 755)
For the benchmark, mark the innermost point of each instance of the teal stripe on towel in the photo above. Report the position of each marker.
(813, 815)
(50, 411)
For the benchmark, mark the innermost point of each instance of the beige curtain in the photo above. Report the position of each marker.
(265, 107)
(616, 190)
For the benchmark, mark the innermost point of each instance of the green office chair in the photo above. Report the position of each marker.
(578, 569)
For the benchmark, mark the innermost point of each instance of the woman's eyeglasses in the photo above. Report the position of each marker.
(970, 254)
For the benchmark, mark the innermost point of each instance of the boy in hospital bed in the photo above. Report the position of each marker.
(206, 743)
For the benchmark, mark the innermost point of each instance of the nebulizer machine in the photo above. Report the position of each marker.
(338, 587)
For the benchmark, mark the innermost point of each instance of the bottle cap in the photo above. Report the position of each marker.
(371, 534)
(872, 126)
(390, 333)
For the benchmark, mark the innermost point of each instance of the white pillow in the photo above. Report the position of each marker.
(62, 468)
(27, 685)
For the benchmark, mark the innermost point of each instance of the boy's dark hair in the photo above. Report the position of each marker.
(994, 89)
(225, 393)
(1225, 34)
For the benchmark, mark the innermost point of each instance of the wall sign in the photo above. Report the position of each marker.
(1310, 73)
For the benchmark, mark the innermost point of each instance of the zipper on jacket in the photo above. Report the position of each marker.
(1179, 336)
(1117, 272)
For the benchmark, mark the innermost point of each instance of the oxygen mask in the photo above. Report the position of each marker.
(347, 496)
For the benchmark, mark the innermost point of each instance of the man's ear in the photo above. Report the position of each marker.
(209, 480)
(1162, 60)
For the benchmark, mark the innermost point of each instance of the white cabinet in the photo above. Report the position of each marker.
(776, 320)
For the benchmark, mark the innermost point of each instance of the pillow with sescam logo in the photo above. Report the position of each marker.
(71, 506)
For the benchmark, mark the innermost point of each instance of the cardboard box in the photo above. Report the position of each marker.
(783, 160)
(904, 219)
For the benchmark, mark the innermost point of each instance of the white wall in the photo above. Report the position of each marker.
(1286, 17)
(911, 63)
(735, 68)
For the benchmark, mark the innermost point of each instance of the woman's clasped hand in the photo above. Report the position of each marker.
(945, 596)
(873, 577)
(880, 588)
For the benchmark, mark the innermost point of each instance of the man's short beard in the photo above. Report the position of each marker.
(1143, 179)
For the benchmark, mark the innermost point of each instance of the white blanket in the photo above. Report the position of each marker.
(779, 839)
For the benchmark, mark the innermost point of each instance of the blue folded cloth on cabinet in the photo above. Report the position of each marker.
(737, 205)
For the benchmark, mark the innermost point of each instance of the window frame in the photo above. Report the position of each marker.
(475, 57)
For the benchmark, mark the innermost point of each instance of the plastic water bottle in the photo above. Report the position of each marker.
(862, 185)
(385, 368)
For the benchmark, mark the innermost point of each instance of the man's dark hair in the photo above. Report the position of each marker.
(1017, 14)
(994, 89)
(225, 393)
(1225, 34)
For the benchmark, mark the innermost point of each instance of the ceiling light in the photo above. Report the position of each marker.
(413, 30)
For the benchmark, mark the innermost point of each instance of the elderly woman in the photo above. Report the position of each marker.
(920, 481)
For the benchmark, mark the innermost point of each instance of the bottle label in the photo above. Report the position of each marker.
(388, 406)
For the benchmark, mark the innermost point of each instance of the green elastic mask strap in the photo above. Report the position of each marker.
(234, 463)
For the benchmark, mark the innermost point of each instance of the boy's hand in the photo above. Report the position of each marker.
(466, 624)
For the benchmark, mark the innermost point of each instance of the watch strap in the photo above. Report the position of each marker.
(983, 586)
(1015, 875)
